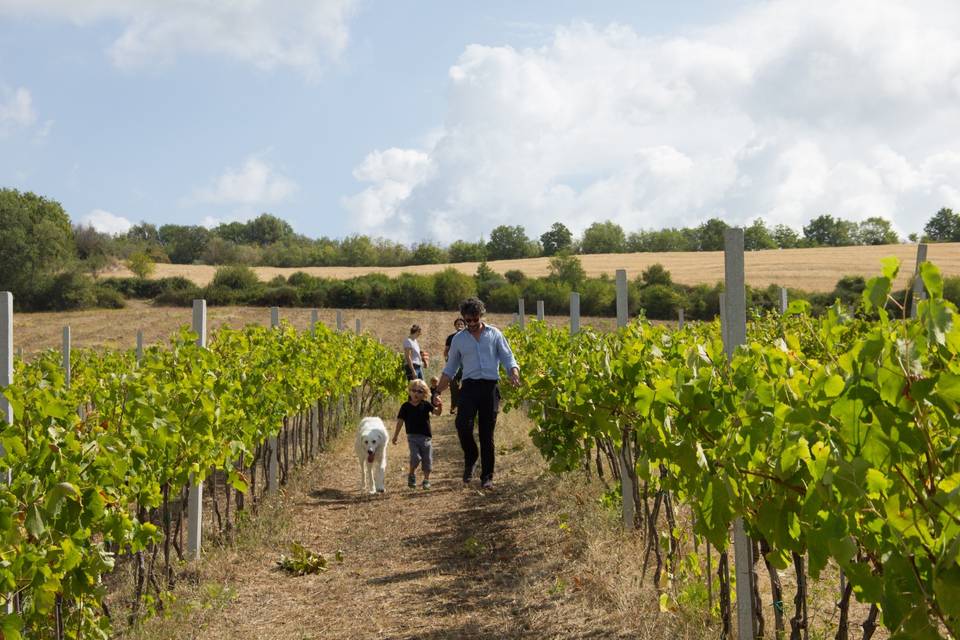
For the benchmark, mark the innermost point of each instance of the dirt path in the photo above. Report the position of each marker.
(449, 562)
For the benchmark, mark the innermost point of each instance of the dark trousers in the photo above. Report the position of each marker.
(478, 399)
(455, 391)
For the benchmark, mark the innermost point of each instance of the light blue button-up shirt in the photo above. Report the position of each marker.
(479, 358)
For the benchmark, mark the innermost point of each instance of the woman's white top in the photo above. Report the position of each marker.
(410, 343)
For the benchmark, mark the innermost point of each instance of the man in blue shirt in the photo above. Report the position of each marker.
(479, 350)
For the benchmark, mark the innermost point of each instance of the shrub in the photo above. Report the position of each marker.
(70, 290)
(598, 297)
(179, 297)
(235, 277)
(108, 298)
(555, 295)
(660, 302)
(219, 295)
(302, 280)
(414, 292)
(656, 274)
(503, 299)
(285, 296)
(314, 297)
(514, 276)
(141, 265)
(450, 288)
(703, 301)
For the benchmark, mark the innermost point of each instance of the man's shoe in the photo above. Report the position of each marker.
(487, 484)
(412, 481)
(426, 484)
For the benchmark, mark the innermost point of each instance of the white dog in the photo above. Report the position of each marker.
(371, 449)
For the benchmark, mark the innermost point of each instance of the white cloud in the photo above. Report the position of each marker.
(16, 110)
(254, 183)
(303, 34)
(106, 222)
(786, 111)
(395, 173)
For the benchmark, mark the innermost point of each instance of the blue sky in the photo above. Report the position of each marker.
(440, 120)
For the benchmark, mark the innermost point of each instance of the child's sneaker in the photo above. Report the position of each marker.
(412, 481)
(426, 484)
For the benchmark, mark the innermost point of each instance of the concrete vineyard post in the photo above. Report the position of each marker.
(6, 379)
(339, 320)
(358, 326)
(735, 334)
(139, 347)
(195, 510)
(574, 313)
(6, 360)
(679, 318)
(540, 310)
(521, 313)
(783, 300)
(626, 460)
(919, 293)
(622, 317)
(274, 317)
(314, 320)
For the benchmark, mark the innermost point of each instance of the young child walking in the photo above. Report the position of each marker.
(415, 415)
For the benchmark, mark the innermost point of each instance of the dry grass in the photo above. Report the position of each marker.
(117, 328)
(445, 563)
(807, 269)
(539, 557)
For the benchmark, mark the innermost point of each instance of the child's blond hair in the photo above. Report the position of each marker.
(434, 381)
(418, 384)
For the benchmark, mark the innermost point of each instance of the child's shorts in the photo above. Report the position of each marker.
(421, 451)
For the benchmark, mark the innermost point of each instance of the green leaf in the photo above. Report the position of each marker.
(842, 549)
(946, 586)
(34, 521)
(644, 398)
(890, 267)
(10, 625)
(948, 386)
(877, 483)
(932, 279)
(876, 292)
(833, 386)
(937, 318)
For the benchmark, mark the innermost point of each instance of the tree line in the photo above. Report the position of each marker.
(50, 263)
(269, 241)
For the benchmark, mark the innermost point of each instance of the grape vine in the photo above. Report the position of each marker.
(98, 469)
(835, 438)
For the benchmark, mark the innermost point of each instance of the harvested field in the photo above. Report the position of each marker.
(807, 269)
(117, 328)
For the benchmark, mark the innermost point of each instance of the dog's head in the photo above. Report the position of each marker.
(373, 442)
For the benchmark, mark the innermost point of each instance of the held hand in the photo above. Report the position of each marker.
(394, 440)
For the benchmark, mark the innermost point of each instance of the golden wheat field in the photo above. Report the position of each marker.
(808, 269)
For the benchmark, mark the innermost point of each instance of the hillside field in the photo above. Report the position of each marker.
(117, 328)
(807, 269)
